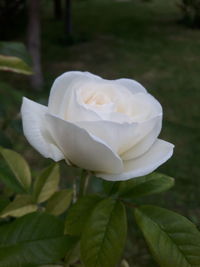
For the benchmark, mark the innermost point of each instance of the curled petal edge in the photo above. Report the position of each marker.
(159, 153)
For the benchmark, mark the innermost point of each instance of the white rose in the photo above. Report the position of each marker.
(106, 126)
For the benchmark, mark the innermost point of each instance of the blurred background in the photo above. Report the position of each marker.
(155, 42)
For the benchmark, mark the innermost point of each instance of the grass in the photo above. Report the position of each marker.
(146, 42)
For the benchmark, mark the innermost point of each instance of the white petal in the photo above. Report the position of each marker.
(150, 103)
(128, 140)
(131, 85)
(106, 99)
(146, 142)
(34, 127)
(141, 131)
(63, 100)
(82, 148)
(118, 136)
(91, 75)
(141, 107)
(65, 83)
(159, 153)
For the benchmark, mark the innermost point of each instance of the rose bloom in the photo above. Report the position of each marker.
(110, 127)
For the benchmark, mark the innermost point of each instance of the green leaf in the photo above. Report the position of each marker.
(14, 57)
(172, 239)
(124, 263)
(35, 239)
(20, 206)
(46, 184)
(79, 213)
(59, 202)
(104, 236)
(14, 64)
(147, 185)
(9, 180)
(15, 49)
(19, 167)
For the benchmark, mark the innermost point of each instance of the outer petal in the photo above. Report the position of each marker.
(129, 140)
(146, 142)
(160, 152)
(118, 136)
(63, 85)
(34, 127)
(147, 101)
(144, 129)
(82, 148)
(132, 85)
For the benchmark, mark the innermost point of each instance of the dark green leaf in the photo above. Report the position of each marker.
(19, 167)
(79, 213)
(9, 180)
(172, 239)
(10, 101)
(59, 202)
(34, 239)
(110, 187)
(4, 140)
(4, 201)
(147, 185)
(46, 184)
(73, 256)
(104, 235)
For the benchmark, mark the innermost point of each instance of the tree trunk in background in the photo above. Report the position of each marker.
(58, 9)
(33, 35)
(68, 17)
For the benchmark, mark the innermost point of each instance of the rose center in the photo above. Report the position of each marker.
(98, 99)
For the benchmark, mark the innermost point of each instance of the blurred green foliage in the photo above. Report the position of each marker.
(191, 12)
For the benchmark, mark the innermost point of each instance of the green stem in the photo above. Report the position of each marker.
(128, 204)
(74, 198)
(84, 181)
